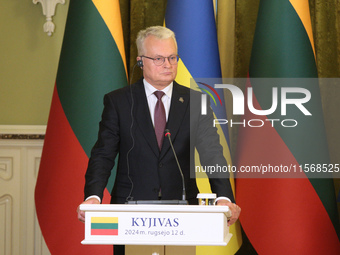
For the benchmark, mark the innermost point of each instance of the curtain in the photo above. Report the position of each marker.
(137, 15)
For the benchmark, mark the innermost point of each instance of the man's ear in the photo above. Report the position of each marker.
(140, 62)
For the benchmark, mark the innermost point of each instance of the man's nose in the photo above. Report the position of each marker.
(166, 62)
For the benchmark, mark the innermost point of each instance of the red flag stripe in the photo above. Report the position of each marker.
(279, 204)
(59, 142)
(105, 232)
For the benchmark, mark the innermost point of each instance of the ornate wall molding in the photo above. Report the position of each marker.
(6, 168)
(15, 136)
(6, 222)
(20, 154)
(48, 7)
(10, 132)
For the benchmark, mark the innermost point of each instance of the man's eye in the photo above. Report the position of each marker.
(158, 59)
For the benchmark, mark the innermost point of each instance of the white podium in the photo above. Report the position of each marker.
(169, 225)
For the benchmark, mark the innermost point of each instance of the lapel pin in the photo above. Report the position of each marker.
(181, 99)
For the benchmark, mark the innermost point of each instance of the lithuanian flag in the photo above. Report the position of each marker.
(194, 25)
(286, 215)
(92, 63)
(104, 226)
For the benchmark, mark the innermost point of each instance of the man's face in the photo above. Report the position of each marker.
(159, 76)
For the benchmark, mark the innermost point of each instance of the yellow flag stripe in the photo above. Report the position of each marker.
(110, 12)
(302, 9)
(104, 219)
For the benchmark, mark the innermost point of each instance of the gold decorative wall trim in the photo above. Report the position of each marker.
(22, 132)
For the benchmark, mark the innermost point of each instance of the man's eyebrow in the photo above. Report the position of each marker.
(174, 54)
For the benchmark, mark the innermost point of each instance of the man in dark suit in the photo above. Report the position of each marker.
(147, 169)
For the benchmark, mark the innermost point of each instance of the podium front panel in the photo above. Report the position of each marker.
(156, 225)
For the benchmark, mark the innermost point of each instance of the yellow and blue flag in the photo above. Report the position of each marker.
(193, 23)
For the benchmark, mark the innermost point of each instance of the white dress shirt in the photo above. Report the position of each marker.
(152, 99)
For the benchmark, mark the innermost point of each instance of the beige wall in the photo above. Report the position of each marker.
(28, 61)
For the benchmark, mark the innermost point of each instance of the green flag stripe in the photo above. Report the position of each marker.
(281, 35)
(104, 225)
(282, 49)
(90, 66)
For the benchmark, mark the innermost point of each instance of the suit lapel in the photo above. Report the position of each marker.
(178, 108)
(142, 116)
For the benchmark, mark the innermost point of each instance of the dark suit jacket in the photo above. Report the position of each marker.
(126, 129)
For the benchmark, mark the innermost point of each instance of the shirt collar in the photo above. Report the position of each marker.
(149, 89)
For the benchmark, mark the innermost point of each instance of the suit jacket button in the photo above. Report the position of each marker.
(160, 165)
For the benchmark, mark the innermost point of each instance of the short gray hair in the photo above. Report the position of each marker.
(157, 31)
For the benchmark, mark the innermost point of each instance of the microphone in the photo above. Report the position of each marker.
(168, 134)
(183, 201)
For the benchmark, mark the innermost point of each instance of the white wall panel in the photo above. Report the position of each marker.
(19, 166)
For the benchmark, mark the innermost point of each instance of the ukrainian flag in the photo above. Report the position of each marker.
(194, 25)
